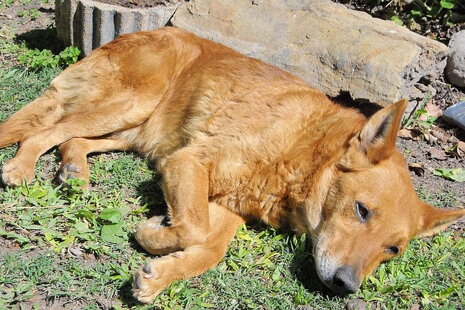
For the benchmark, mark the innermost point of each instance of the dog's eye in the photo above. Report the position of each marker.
(362, 212)
(392, 250)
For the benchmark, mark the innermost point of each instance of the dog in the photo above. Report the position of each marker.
(235, 139)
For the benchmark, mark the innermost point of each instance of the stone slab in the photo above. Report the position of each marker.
(455, 115)
(335, 49)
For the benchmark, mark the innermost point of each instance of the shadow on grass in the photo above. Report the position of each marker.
(304, 270)
(41, 39)
(125, 295)
(152, 195)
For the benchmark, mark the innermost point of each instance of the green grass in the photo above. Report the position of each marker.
(60, 245)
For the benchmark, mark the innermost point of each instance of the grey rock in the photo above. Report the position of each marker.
(331, 47)
(455, 115)
(455, 69)
(89, 24)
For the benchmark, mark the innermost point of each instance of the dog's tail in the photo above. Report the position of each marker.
(38, 115)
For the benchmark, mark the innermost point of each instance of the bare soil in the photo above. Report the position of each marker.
(11, 21)
(419, 152)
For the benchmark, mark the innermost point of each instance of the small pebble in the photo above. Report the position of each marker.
(356, 304)
(75, 251)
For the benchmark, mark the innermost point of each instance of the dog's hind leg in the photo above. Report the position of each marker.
(38, 115)
(74, 155)
(105, 118)
(185, 185)
(158, 273)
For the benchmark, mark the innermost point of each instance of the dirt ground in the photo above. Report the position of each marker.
(12, 23)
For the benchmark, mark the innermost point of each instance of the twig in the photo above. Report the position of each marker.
(407, 121)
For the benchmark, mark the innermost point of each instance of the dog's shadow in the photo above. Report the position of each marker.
(304, 270)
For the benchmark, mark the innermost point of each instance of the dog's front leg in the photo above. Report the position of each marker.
(158, 273)
(185, 185)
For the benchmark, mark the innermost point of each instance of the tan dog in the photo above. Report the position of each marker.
(235, 139)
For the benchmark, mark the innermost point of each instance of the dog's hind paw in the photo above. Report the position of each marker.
(14, 173)
(150, 280)
(72, 171)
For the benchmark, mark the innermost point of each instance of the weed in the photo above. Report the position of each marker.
(38, 59)
(6, 3)
(428, 17)
(442, 10)
(419, 118)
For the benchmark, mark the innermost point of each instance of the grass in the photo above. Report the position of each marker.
(60, 246)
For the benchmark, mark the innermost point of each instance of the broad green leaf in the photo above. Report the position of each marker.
(81, 227)
(397, 20)
(86, 214)
(457, 174)
(112, 233)
(111, 214)
(447, 4)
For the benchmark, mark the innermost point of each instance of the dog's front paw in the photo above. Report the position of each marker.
(150, 280)
(15, 172)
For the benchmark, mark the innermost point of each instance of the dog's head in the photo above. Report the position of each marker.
(371, 211)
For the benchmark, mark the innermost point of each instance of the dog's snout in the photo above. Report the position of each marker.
(345, 281)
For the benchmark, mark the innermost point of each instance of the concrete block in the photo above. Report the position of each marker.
(89, 24)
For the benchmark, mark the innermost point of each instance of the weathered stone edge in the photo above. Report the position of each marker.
(89, 24)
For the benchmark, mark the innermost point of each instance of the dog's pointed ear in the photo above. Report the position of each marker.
(378, 136)
(376, 140)
(434, 220)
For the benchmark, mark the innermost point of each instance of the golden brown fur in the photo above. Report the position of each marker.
(235, 139)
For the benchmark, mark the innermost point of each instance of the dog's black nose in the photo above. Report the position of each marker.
(345, 281)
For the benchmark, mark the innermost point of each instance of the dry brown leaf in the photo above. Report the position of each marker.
(433, 109)
(437, 154)
(411, 134)
(405, 133)
(417, 168)
(441, 137)
(461, 148)
(429, 138)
